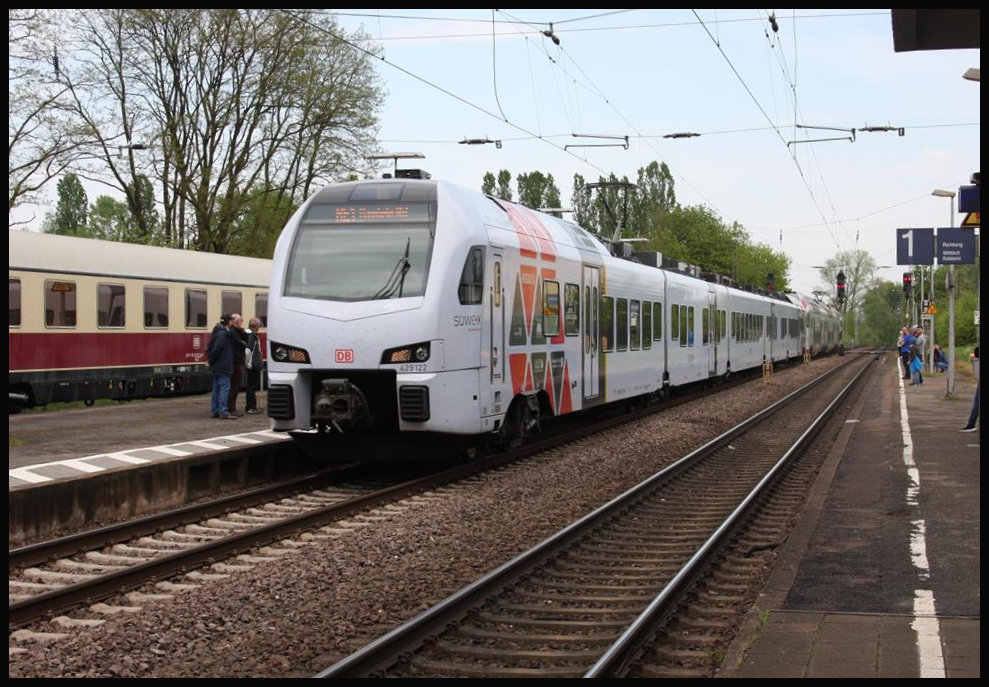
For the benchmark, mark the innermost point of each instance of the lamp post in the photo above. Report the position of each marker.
(950, 195)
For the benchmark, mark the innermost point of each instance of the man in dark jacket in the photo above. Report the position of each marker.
(220, 359)
(239, 346)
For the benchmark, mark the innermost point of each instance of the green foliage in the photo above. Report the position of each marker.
(256, 230)
(692, 234)
(879, 317)
(538, 190)
(966, 303)
(69, 218)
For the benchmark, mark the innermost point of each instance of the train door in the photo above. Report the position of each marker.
(709, 329)
(493, 338)
(591, 360)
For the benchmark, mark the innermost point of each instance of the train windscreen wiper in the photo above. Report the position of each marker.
(396, 280)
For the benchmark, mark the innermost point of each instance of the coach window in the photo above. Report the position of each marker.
(231, 302)
(633, 325)
(195, 308)
(657, 321)
(646, 325)
(60, 303)
(675, 322)
(621, 321)
(13, 302)
(261, 307)
(607, 328)
(551, 308)
(688, 325)
(571, 309)
(155, 307)
(110, 305)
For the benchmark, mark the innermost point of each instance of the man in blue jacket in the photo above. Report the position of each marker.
(906, 341)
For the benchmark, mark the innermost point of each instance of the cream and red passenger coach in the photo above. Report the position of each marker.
(95, 319)
(417, 306)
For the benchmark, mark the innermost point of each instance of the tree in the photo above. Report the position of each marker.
(879, 317)
(500, 187)
(212, 103)
(70, 212)
(110, 219)
(860, 272)
(538, 190)
(42, 141)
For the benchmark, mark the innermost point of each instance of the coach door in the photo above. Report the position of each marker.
(496, 319)
(709, 329)
(590, 369)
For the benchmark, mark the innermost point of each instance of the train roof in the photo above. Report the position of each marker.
(37, 252)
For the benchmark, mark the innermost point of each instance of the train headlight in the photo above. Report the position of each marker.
(416, 353)
(289, 354)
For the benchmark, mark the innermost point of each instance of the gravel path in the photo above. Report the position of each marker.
(294, 617)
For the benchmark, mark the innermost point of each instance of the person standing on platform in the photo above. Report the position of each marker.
(904, 343)
(254, 362)
(921, 340)
(219, 357)
(973, 416)
(239, 346)
(916, 366)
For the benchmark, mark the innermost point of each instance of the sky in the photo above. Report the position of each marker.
(725, 74)
(751, 92)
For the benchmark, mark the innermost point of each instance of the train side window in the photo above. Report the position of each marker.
(571, 309)
(675, 322)
(551, 308)
(261, 307)
(621, 321)
(60, 303)
(230, 301)
(646, 324)
(706, 327)
(657, 321)
(110, 299)
(155, 307)
(195, 308)
(471, 289)
(688, 325)
(607, 320)
(13, 302)
(633, 325)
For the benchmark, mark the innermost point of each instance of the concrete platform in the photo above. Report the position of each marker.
(881, 576)
(66, 444)
(80, 468)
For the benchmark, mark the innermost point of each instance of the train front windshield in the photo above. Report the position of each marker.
(362, 251)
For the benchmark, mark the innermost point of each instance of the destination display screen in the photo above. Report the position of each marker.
(370, 213)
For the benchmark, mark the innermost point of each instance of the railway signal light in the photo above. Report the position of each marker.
(841, 287)
(907, 283)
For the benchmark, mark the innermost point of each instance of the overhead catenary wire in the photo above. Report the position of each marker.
(439, 88)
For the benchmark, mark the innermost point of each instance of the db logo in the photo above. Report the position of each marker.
(344, 355)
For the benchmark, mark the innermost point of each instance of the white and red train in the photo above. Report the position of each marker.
(409, 305)
(95, 319)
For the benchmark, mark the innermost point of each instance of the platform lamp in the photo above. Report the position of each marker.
(950, 195)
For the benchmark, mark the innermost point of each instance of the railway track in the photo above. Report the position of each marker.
(51, 577)
(589, 599)
(55, 575)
